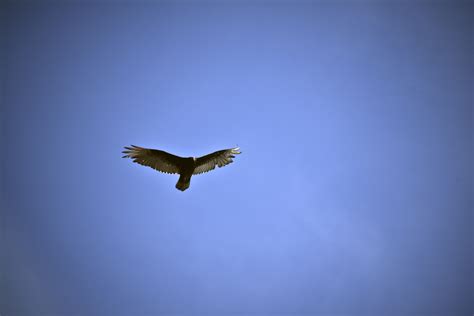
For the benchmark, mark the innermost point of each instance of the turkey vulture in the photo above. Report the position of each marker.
(165, 162)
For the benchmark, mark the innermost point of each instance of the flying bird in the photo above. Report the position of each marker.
(186, 167)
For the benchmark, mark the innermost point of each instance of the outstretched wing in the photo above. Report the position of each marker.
(219, 158)
(156, 159)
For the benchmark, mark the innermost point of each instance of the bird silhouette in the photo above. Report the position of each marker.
(186, 167)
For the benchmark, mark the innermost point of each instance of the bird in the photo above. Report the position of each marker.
(186, 167)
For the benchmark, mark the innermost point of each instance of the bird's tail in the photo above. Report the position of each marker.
(183, 182)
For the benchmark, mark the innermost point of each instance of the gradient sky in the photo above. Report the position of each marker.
(353, 194)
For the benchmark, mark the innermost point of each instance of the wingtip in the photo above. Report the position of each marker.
(131, 149)
(236, 150)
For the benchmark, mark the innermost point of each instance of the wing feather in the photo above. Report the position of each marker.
(219, 158)
(157, 159)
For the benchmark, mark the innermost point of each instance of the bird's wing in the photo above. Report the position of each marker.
(219, 158)
(156, 159)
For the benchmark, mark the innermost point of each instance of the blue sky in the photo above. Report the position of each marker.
(353, 194)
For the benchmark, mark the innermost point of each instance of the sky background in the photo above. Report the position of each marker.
(353, 194)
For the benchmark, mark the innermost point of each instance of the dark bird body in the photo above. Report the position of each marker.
(186, 167)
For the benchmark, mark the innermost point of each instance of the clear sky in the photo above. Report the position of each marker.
(353, 194)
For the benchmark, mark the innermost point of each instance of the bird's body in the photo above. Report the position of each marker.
(185, 167)
(189, 164)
